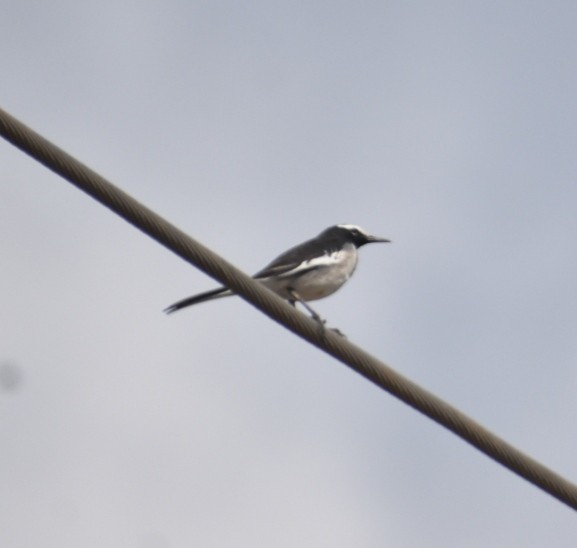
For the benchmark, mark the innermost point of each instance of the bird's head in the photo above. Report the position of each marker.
(355, 234)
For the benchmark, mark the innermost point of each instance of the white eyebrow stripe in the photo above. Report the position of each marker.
(354, 228)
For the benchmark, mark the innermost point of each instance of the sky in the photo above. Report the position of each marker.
(448, 127)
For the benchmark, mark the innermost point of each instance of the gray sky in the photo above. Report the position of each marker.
(450, 128)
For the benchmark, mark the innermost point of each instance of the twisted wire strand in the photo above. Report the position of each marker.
(273, 306)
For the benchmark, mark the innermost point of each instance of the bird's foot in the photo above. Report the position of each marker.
(323, 326)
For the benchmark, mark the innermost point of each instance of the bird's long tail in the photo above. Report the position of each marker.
(196, 299)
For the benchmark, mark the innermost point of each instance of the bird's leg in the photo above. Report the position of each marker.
(315, 316)
(296, 298)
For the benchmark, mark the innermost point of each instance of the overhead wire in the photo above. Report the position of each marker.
(192, 251)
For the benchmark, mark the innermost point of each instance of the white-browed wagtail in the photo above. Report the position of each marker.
(309, 271)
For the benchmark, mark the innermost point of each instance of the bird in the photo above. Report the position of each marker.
(306, 272)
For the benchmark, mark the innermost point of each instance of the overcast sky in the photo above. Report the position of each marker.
(448, 127)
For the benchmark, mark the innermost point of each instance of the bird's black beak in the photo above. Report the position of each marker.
(375, 239)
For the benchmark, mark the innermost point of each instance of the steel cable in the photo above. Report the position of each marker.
(198, 255)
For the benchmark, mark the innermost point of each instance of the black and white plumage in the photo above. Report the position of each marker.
(309, 271)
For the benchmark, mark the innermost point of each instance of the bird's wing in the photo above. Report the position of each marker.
(291, 261)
